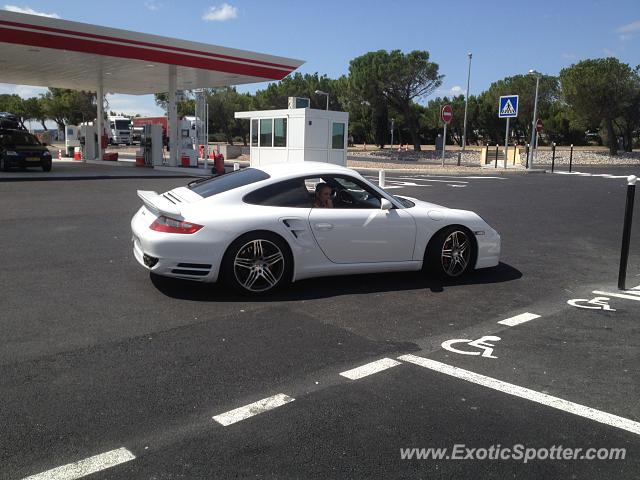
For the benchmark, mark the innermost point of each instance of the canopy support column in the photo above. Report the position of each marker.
(172, 113)
(100, 118)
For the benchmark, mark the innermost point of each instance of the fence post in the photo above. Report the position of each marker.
(571, 158)
(626, 231)
(497, 147)
(527, 150)
(553, 156)
(381, 178)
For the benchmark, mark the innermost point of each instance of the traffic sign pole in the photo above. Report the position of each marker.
(506, 145)
(444, 142)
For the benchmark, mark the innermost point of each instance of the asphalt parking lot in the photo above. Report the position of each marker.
(106, 370)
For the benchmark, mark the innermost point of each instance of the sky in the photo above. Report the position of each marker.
(505, 37)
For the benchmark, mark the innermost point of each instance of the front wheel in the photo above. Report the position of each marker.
(257, 263)
(451, 253)
(46, 166)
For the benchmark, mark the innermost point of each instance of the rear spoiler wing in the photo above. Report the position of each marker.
(159, 204)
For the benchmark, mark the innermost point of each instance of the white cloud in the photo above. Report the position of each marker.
(629, 27)
(30, 11)
(23, 91)
(152, 5)
(220, 14)
(569, 56)
(457, 90)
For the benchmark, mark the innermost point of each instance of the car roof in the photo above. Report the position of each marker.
(284, 170)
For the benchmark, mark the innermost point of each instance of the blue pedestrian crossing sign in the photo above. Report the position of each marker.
(508, 106)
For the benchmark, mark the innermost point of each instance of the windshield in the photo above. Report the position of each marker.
(123, 124)
(227, 182)
(17, 138)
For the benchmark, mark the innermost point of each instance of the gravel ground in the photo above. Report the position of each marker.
(424, 159)
(585, 158)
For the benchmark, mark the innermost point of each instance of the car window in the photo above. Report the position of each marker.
(288, 193)
(351, 193)
(227, 182)
(18, 138)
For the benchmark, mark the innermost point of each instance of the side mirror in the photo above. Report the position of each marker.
(385, 204)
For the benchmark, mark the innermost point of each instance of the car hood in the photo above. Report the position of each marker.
(422, 203)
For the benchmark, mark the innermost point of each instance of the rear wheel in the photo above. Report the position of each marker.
(257, 263)
(451, 252)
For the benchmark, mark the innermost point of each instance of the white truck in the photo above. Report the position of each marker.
(120, 130)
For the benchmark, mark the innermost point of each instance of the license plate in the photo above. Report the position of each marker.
(33, 159)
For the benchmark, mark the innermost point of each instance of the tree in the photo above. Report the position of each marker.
(599, 90)
(223, 103)
(183, 107)
(493, 128)
(69, 106)
(397, 80)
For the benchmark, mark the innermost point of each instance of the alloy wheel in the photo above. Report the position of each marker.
(259, 265)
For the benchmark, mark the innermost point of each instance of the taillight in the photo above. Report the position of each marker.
(171, 225)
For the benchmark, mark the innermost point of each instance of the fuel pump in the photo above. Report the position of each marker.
(150, 152)
(88, 142)
(186, 152)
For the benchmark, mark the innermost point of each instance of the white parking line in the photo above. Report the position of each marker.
(618, 295)
(255, 408)
(370, 368)
(584, 174)
(87, 466)
(542, 398)
(518, 319)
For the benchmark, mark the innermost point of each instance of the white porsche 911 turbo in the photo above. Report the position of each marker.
(260, 228)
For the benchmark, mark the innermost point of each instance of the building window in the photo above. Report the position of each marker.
(266, 132)
(337, 136)
(280, 132)
(254, 132)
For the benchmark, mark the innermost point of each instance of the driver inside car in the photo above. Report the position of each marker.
(323, 196)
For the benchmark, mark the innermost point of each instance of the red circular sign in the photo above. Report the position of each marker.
(446, 114)
(539, 126)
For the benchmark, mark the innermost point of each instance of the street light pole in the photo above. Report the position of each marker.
(466, 105)
(320, 92)
(535, 120)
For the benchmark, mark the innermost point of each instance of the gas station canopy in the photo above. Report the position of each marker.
(50, 52)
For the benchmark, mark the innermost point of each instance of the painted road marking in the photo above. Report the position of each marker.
(518, 319)
(255, 408)
(370, 368)
(526, 393)
(597, 303)
(87, 466)
(619, 295)
(482, 343)
(583, 174)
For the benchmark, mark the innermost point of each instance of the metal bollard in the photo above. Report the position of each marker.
(553, 156)
(571, 157)
(381, 178)
(626, 231)
(527, 162)
(236, 166)
(459, 155)
(497, 147)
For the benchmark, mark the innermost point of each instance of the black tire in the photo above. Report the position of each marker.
(451, 252)
(46, 166)
(257, 263)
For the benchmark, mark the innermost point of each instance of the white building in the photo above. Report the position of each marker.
(298, 135)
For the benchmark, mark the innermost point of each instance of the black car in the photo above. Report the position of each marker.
(20, 149)
(9, 120)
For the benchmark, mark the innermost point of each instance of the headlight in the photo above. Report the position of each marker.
(46, 154)
(11, 153)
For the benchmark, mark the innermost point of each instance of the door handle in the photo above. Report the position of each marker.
(324, 226)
